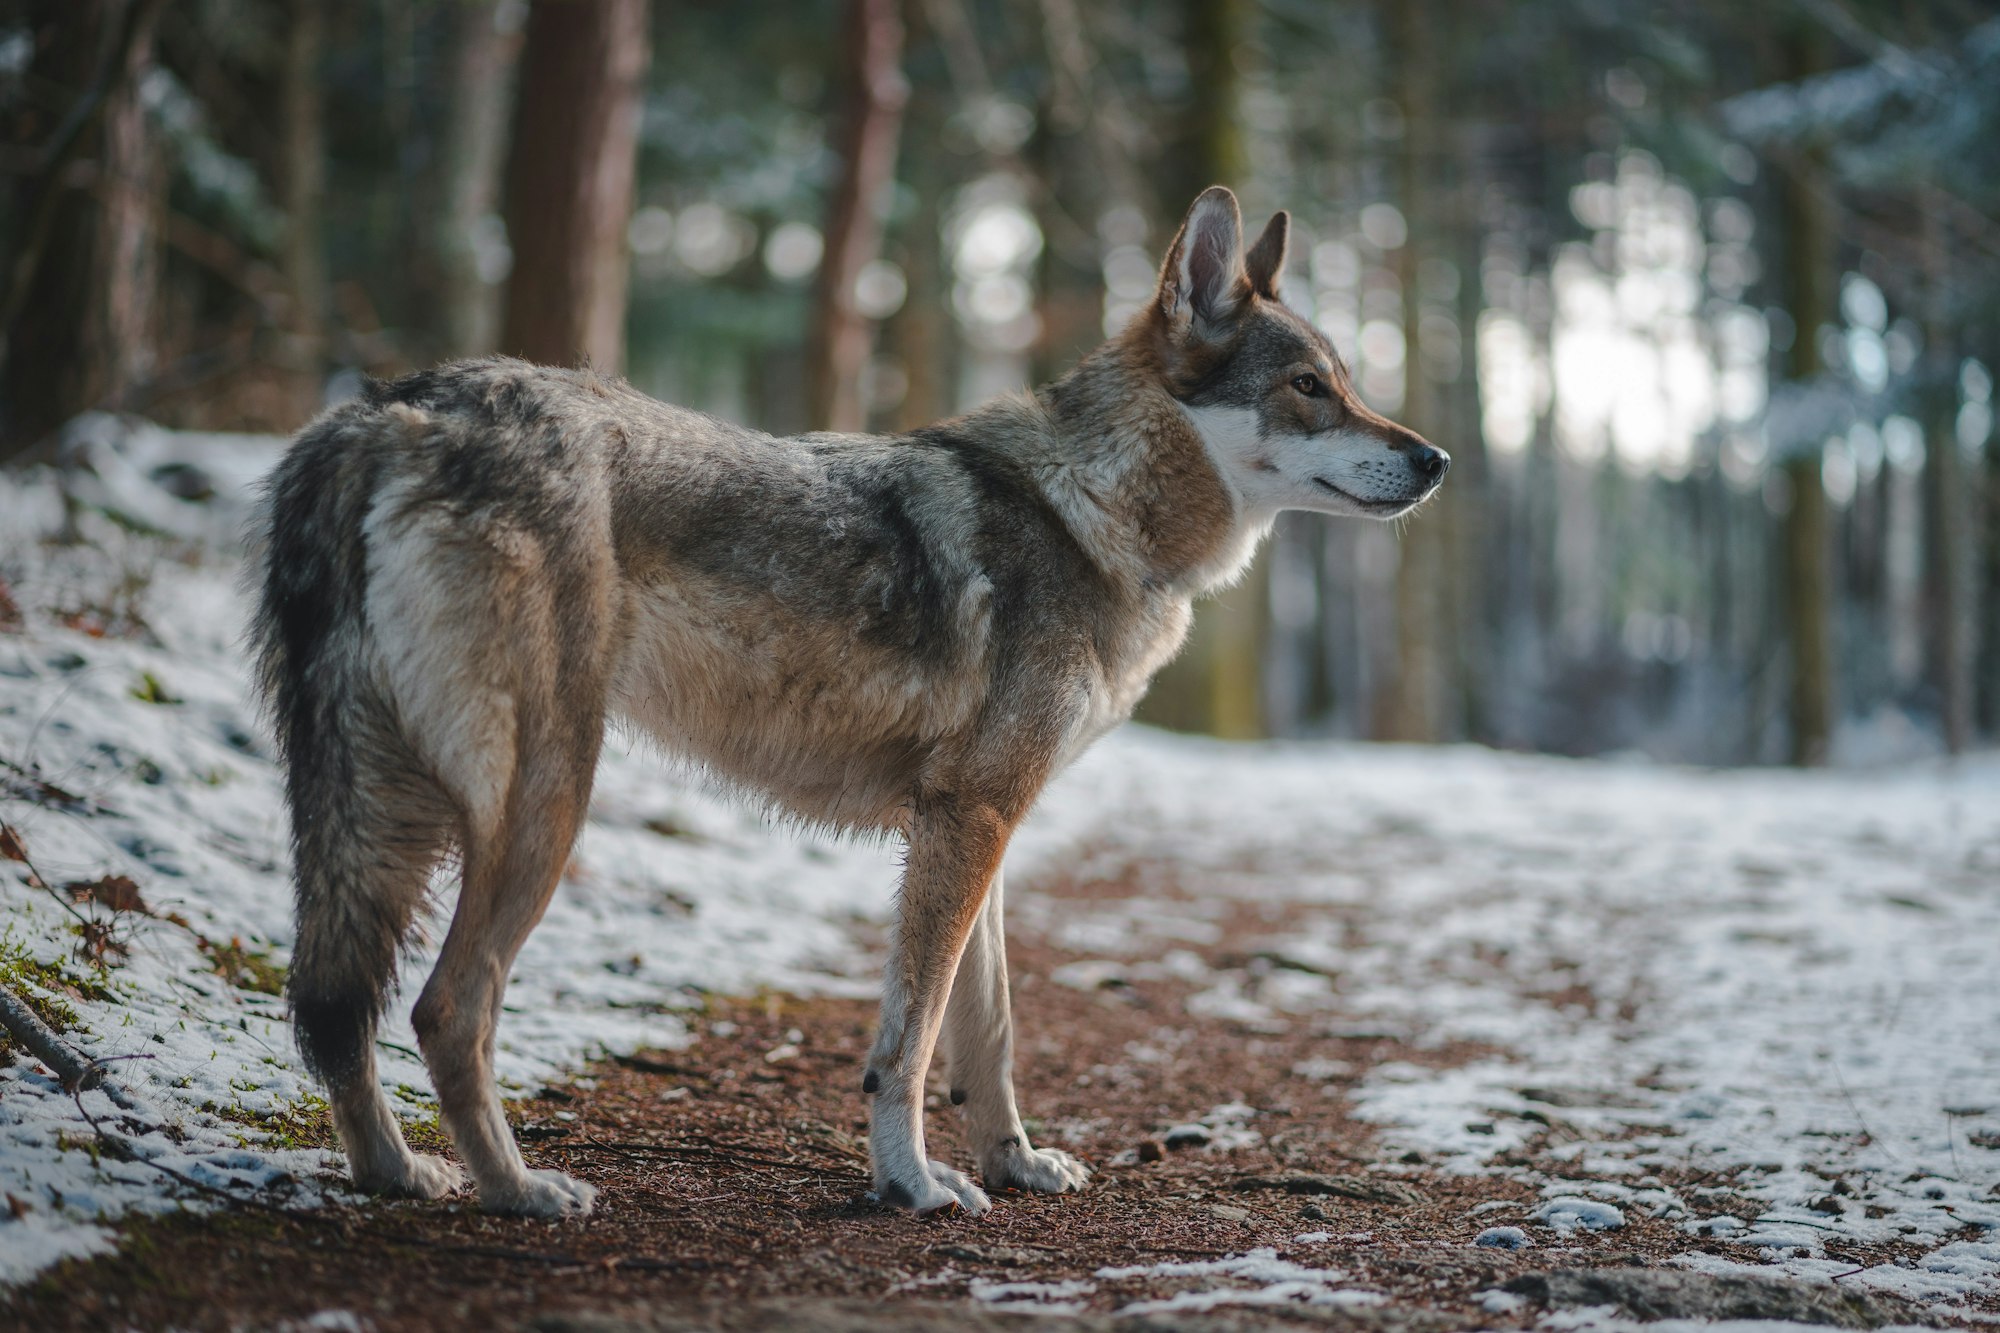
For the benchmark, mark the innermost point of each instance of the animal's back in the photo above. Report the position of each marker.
(805, 617)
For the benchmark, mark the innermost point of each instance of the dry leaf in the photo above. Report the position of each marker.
(117, 892)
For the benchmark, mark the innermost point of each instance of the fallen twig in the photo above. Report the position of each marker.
(642, 1150)
(27, 1027)
(77, 1073)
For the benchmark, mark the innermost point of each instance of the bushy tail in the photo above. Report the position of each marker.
(355, 895)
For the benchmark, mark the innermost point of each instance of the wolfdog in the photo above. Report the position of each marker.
(464, 573)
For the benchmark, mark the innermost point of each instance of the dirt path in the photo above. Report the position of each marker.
(734, 1194)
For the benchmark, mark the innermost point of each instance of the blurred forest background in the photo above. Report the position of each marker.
(1703, 297)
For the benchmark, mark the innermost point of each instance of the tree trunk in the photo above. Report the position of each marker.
(842, 337)
(1416, 705)
(570, 181)
(80, 307)
(1808, 596)
(1806, 563)
(1475, 584)
(1988, 594)
(474, 154)
(924, 331)
(1211, 149)
(303, 257)
(132, 191)
(924, 334)
(1950, 553)
(1216, 684)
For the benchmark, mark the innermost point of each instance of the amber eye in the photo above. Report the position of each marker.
(1306, 384)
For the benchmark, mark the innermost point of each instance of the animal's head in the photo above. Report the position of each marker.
(1265, 389)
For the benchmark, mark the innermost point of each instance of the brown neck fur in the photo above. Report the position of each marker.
(1117, 419)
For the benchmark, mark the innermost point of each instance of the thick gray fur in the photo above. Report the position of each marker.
(468, 571)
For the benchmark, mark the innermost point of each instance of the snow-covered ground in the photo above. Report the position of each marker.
(138, 752)
(1789, 981)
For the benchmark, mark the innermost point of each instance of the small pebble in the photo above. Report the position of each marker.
(1229, 1214)
(1152, 1150)
(1188, 1136)
(1503, 1238)
(1567, 1213)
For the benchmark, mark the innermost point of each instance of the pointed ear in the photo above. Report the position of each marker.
(1266, 260)
(1202, 283)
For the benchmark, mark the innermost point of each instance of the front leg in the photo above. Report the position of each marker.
(979, 1048)
(955, 847)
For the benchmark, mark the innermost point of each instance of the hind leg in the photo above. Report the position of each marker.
(509, 879)
(367, 884)
(979, 1048)
(377, 1156)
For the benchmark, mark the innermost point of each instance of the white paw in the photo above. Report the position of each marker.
(938, 1187)
(540, 1194)
(415, 1176)
(1044, 1170)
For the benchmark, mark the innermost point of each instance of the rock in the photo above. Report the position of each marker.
(999, 1256)
(1188, 1136)
(1152, 1150)
(1229, 1214)
(1503, 1238)
(1652, 1294)
(1367, 1189)
(1580, 1098)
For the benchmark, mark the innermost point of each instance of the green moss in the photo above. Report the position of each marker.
(150, 691)
(306, 1123)
(44, 986)
(243, 967)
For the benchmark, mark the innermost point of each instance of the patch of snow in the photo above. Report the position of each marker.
(1228, 1128)
(1944, 1277)
(1035, 1297)
(337, 1321)
(1607, 1319)
(1320, 1067)
(1089, 974)
(1279, 1282)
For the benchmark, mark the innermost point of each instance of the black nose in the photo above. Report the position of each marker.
(1430, 461)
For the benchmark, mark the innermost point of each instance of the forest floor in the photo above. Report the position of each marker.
(734, 1194)
(1699, 1046)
